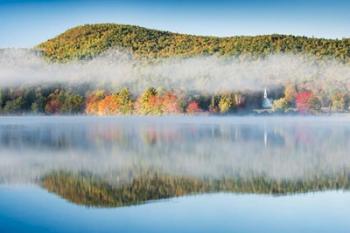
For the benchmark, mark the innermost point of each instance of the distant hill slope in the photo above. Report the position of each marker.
(89, 40)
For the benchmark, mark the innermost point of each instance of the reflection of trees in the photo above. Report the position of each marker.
(55, 137)
(164, 137)
(85, 189)
(201, 149)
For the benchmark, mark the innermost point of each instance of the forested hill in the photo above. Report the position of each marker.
(89, 40)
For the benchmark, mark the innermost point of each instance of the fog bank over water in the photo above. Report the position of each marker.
(121, 148)
(203, 73)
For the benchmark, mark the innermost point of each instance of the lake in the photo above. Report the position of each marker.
(174, 174)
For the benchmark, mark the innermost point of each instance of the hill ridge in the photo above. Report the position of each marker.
(89, 40)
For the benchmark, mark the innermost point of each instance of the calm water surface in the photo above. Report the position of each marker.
(174, 174)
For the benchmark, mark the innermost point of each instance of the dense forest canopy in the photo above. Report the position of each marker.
(87, 41)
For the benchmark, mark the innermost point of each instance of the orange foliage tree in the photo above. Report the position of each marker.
(93, 100)
(151, 102)
(118, 103)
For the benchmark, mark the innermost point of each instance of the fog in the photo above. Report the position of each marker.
(203, 73)
(121, 148)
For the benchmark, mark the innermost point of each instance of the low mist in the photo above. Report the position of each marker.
(208, 74)
(292, 148)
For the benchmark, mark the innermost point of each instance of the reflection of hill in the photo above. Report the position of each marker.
(84, 189)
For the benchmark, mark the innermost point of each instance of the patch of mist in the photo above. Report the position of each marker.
(209, 74)
(119, 149)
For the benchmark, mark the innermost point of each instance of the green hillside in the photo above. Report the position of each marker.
(89, 40)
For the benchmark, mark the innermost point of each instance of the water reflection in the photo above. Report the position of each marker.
(122, 161)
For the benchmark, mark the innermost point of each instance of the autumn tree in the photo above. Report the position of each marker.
(64, 102)
(117, 103)
(339, 101)
(227, 103)
(280, 105)
(290, 93)
(306, 101)
(193, 107)
(125, 101)
(171, 103)
(93, 100)
(149, 103)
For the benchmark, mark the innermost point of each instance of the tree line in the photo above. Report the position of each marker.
(290, 98)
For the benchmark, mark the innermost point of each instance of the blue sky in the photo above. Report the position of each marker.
(27, 23)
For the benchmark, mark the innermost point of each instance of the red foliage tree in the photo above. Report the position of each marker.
(170, 103)
(193, 107)
(306, 101)
(302, 101)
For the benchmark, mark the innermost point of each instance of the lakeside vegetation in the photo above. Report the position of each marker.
(85, 100)
(87, 41)
(85, 189)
